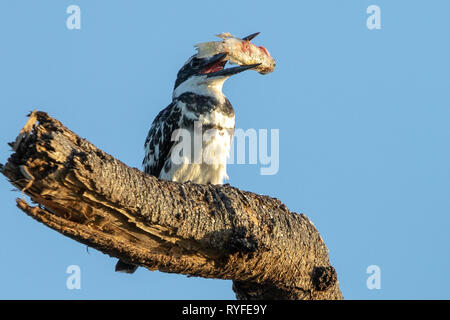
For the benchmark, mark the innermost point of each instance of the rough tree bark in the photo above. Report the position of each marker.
(198, 230)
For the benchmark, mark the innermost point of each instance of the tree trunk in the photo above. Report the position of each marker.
(208, 231)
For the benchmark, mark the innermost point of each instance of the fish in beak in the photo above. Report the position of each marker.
(238, 51)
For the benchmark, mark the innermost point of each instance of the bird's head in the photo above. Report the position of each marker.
(207, 73)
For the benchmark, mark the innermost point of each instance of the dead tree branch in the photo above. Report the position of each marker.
(199, 230)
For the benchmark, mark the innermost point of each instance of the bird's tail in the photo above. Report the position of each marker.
(125, 267)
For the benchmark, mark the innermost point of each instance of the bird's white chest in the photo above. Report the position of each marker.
(206, 159)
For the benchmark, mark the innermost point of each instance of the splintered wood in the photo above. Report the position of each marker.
(199, 230)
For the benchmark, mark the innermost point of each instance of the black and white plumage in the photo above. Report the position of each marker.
(216, 117)
(197, 101)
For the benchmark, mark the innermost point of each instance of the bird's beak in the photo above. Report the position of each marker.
(216, 58)
(214, 63)
(231, 71)
(251, 37)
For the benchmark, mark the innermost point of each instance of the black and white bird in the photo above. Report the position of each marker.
(197, 104)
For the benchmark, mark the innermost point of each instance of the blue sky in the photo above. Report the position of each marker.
(363, 118)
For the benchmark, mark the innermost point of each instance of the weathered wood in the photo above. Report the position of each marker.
(199, 230)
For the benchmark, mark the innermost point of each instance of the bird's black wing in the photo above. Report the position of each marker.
(159, 139)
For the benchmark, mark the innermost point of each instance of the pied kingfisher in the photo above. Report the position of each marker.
(197, 101)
